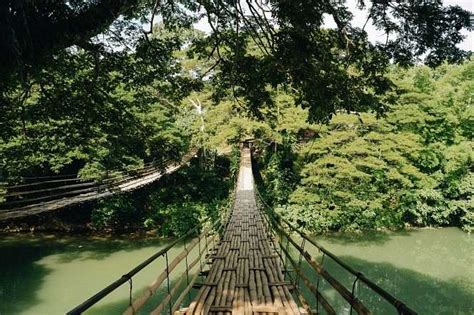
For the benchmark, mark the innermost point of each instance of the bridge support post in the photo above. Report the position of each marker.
(168, 280)
(300, 260)
(187, 266)
(317, 283)
(285, 265)
(356, 281)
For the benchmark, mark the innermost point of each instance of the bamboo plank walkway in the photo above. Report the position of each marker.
(245, 276)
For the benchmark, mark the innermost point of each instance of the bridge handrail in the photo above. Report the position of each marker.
(340, 288)
(73, 177)
(314, 289)
(401, 307)
(222, 222)
(119, 174)
(67, 177)
(126, 277)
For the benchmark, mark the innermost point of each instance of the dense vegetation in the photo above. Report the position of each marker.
(414, 166)
(190, 197)
(328, 68)
(91, 114)
(350, 134)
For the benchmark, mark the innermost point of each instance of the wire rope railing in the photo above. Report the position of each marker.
(201, 246)
(38, 181)
(13, 190)
(48, 191)
(282, 231)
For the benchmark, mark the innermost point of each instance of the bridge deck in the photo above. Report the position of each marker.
(245, 276)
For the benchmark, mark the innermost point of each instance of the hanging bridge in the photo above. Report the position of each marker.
(57, 192)
(250, 261)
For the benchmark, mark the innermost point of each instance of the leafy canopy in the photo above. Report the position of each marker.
(330, 69)
(415, 166)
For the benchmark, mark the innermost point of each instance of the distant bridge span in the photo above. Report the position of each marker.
(81, 192)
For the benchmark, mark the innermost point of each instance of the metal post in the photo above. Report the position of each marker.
(280, 242)
(187, 266)
(207, 244)
(130, 281)
(303, 243)
(286, 257)
(186, 261)
(317, 284)
(200, 254)
(168, 281)
(353, 289)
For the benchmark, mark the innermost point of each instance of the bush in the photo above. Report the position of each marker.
(117, 212)
(188, 198)
(414, 166)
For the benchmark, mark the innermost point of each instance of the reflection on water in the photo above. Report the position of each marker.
(50, 276)
(430, 270)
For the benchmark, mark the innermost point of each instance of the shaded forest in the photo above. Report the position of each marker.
(347, 134)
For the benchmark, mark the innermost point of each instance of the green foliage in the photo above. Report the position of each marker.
(90, 112)
(115, 213)
(234, 162)
(414, 166)
(358, 175)
(179, 218)
(72, 103)
(188, 198)
(3, 191)
(175, 219)
(279, 174)
(327, 68)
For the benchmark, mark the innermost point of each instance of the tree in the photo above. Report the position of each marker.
(415, 166)
(329, 69)
(94, 112)
(32, 30)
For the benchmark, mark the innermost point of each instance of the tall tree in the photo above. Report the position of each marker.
(330, 69)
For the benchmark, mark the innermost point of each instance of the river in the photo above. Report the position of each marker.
(430, 269)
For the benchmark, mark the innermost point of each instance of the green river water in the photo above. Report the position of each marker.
(432, 270)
